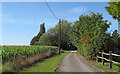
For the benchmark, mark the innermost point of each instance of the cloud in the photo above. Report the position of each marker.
(72, 19)
(78, 9)
(19, 21)
(49, 24)
(11, 20)
(7, 19)
(0, 15)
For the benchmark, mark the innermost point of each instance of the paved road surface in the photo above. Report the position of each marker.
(73, 63)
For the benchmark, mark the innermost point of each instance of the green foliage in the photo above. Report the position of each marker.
(0, 52)
(114, 9)
(35, 39)
(119, 43)
(109, 43)
(50, 38)
(14, 51)
(115, 39)
(112, 42)
(88, 34)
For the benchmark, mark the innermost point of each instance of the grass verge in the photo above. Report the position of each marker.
(47, 65)
(115, 67)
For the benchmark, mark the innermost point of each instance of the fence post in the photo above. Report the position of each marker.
(102, 57)
(110, 58)
(97, 59)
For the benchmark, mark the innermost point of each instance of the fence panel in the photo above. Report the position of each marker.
(110, 54)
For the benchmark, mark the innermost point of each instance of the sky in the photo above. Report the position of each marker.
(21, 20)
(55, 0)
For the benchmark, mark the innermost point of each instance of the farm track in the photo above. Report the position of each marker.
(72, 63)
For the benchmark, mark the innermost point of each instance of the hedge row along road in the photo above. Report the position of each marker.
(14, 51)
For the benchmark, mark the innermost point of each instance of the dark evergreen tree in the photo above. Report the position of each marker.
(35, 39)
(115, 39)
(119, 43)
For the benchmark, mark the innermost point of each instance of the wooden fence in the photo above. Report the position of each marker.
(110, 54)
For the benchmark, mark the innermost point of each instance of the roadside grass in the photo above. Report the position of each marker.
(115, 67)
(47, 65)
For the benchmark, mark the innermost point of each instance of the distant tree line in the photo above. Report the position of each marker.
(50, 38)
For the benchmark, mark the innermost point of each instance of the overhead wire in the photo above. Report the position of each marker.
(51, 10)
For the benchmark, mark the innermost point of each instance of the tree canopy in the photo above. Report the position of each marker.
(88, 34)
(51, 36)
(114, 9)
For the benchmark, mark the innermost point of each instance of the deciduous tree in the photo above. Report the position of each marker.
(88, 34)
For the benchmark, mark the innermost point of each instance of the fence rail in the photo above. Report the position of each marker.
(110, 54)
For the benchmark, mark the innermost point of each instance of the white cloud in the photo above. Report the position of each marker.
(7, 19)
(11, 21)
(49, 24)
(78, 9)
(19, 21)
(0, 14)
(72, 19)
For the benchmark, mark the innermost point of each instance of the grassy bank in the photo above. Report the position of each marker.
(47, 65)
(115, 67)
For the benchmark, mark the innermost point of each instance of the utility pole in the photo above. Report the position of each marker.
(59, 34)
